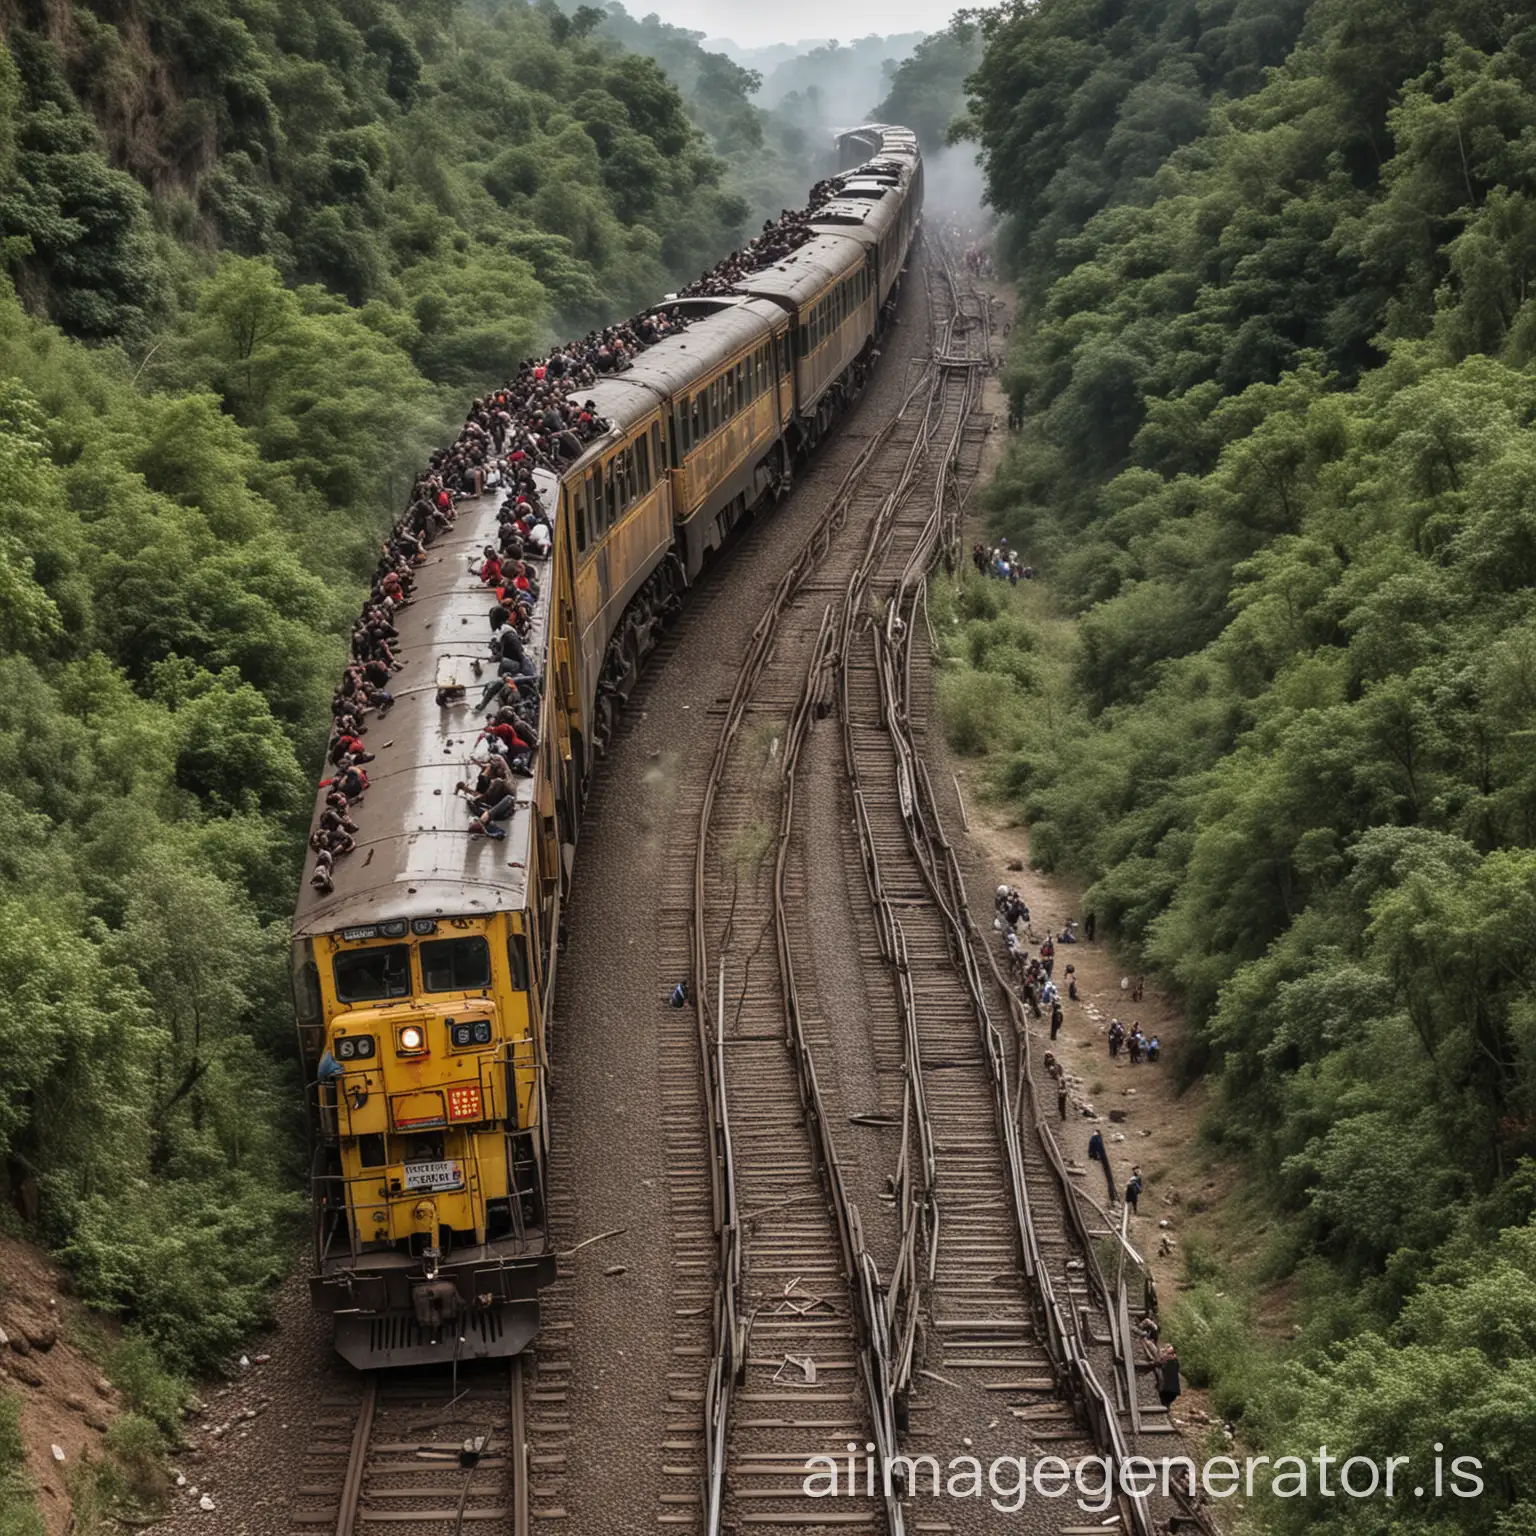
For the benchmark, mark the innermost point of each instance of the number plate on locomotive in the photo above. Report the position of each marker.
(449, 1175)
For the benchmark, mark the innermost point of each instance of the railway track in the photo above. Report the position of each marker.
(421, 1453)
(1026, 1309)
(801, 1371)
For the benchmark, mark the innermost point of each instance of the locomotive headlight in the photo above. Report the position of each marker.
(413, 1038)
(346, 1049)
(483, 1032)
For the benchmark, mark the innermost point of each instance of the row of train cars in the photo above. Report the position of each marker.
(427, 974)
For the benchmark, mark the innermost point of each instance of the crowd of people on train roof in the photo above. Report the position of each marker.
(777, 239)
(541, 418)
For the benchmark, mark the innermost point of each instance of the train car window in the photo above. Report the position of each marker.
(576, 501)
(599, 502)
(628, 473)
(370, 1150)
(657, 456)
(517, 961)
(371, 975)
(306, 993)
(741, 385)
(728, 393)
(643, 456)
(455, 965)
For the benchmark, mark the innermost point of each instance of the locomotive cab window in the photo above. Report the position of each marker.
(455, 965)
(373, 975)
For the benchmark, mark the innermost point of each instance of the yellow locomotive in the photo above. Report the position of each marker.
(423, 981)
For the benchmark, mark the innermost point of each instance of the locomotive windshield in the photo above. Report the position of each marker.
(370, 975)
(455, 965)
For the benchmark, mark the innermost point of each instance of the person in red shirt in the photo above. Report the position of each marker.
(490, 568)
(346, 746)
(506, 738)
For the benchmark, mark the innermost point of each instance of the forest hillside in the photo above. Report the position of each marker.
(257, 257)
(1274, 364)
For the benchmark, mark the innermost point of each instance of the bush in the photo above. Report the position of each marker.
(18, 1514)
(976, 708)
(153, 1394)
(1213, 1331)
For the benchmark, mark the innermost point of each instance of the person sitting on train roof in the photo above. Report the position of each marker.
(509, 690)
(503, 737)
(348, 748)
(521, 578)
(515, 714)
(351, 782)
(334, 820)
(512, 666)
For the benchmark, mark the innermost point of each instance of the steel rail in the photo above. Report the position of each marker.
(352, 1484)
(519, 1459)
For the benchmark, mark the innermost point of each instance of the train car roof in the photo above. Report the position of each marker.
(861, 219)
(674, 362)
(808, 269)
(414, 855)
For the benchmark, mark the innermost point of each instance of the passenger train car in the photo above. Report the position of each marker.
(423, 982)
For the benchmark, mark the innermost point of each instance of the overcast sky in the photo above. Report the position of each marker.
(756, 23)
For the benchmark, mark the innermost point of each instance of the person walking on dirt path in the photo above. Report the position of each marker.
(1168, 1384)
(1055, 1018)
(1072, 982)
(1098, 1154)
(1048, 954)
(1133, 1187)
(1116, 1036)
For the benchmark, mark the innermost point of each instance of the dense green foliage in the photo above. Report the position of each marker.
(1275, 359)
(484, 171)
(260, 254)
(1078, 103)
(772, 155)
(927, 90)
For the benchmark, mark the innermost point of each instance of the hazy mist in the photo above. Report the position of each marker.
(800, 22)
